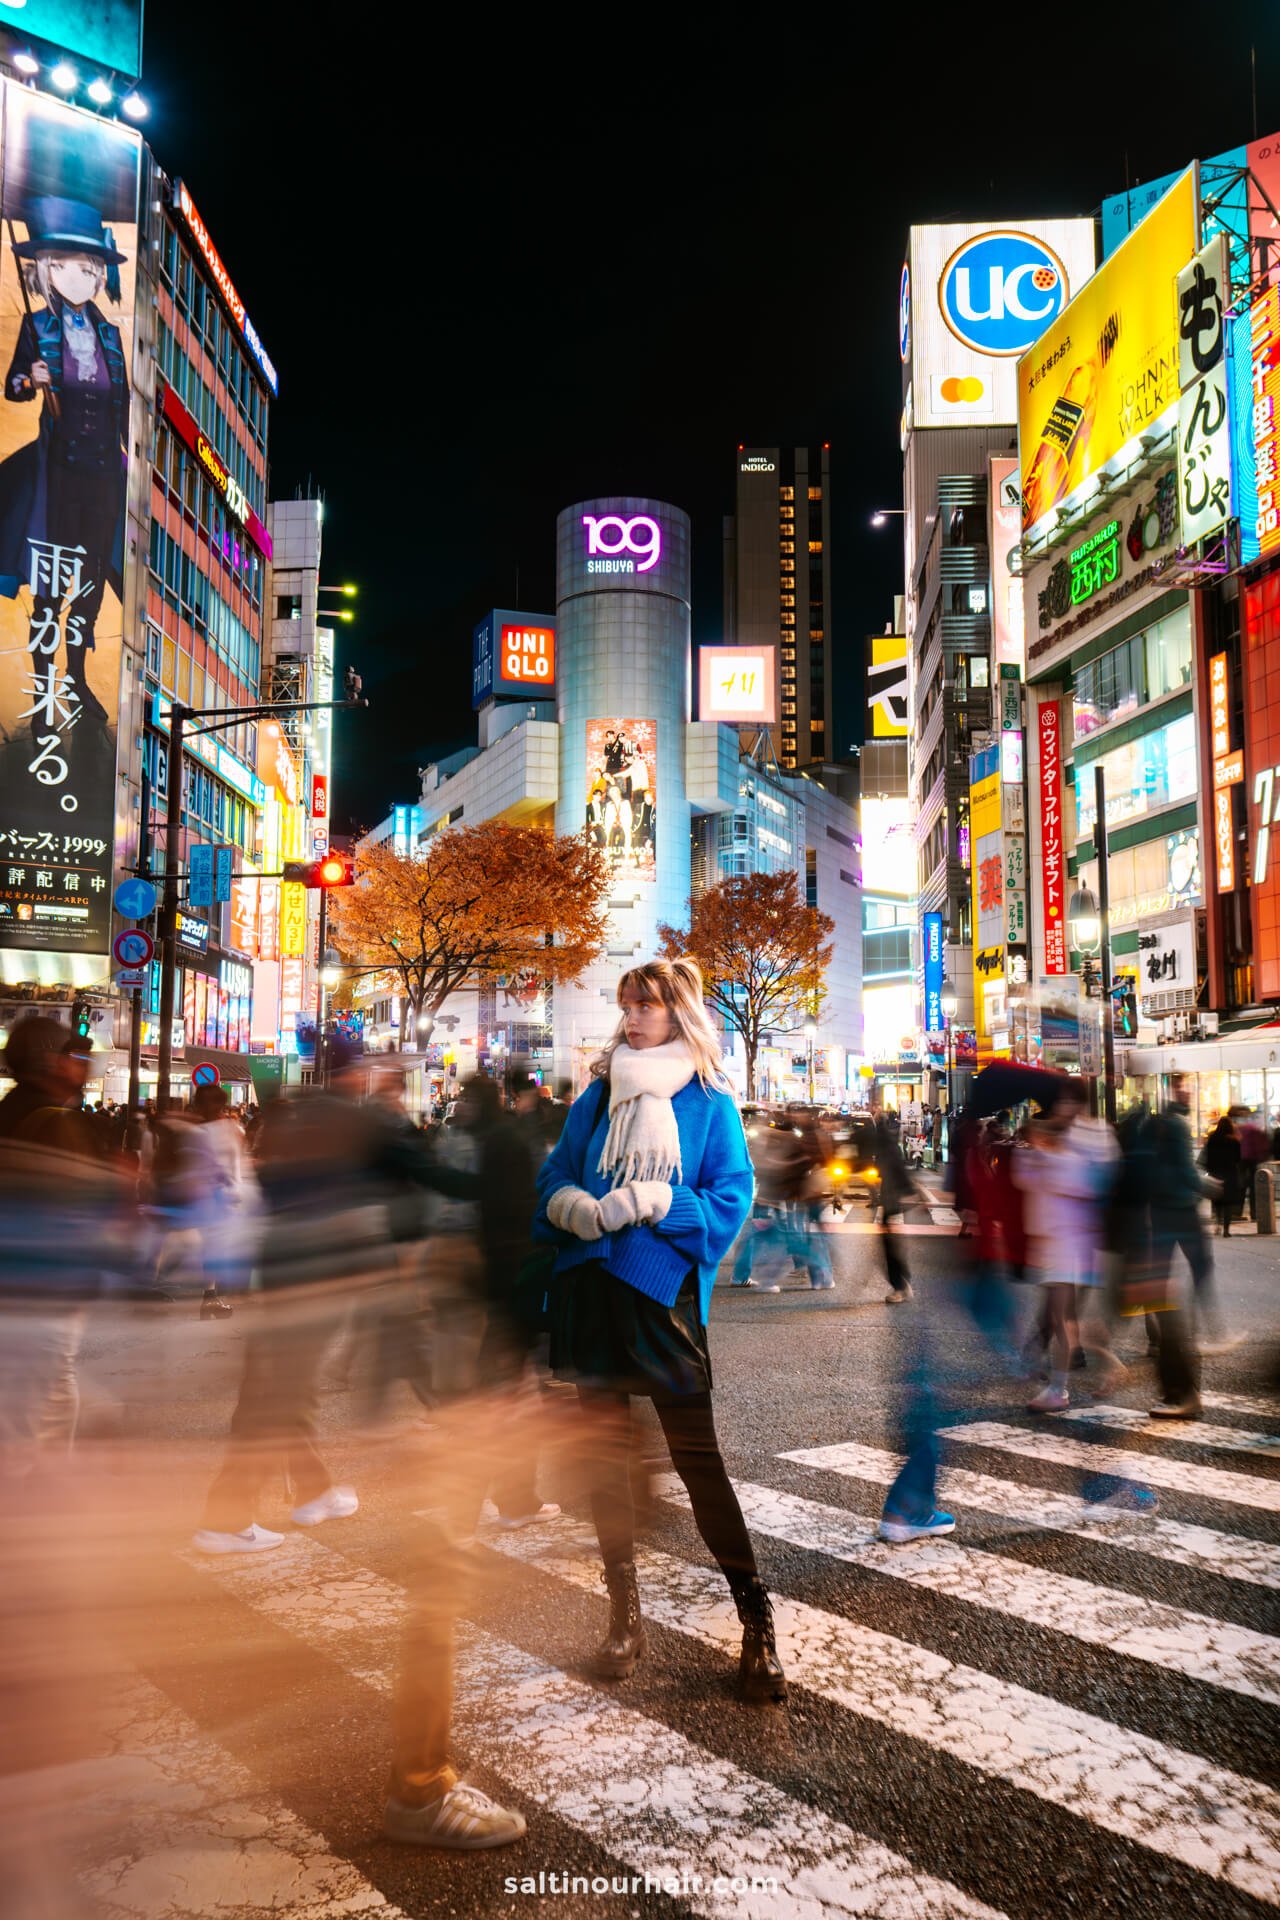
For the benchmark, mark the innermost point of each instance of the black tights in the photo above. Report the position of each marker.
(690, 1431)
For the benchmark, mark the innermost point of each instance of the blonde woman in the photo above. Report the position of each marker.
(644, 1195)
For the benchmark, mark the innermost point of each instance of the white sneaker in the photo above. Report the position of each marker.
(1049, 1400)
(547, 1511)
(465, 1819)
(335, 1503)
(254, 1539)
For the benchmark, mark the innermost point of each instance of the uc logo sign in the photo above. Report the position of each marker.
(610, 538)
(1000, 290)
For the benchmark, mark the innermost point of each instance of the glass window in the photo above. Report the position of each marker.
(786, 493)
(815, 546)
(815, 493)
(1145, 667)
(1142, 775)
(979, 671)
(1167, 650)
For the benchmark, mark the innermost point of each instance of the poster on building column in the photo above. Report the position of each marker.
(68, 245)
(621, 756)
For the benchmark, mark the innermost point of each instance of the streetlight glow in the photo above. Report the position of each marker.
(948, 999)
(1084, 921)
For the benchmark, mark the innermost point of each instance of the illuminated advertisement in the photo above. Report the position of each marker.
(887, 686)
(66, 338)
(986, 828)
(888, 844)
(621, 761)
(1053, 859)
(971, 299)
(736, 685)
(1004, 509)
(1237, 205)
(1204, 409)
(933, 973)
(186, 206)
(1111, 562)
(108, 32)
(1261, 644)
(1107, 369)
(615, 545)
(1264, 352)
(513, 657)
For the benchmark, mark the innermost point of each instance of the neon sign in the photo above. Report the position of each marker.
(1052, 857)
(224, 283)
(1095, 564)
(640, 536)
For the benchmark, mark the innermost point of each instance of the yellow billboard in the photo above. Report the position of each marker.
(1107, 368)
(887, 686)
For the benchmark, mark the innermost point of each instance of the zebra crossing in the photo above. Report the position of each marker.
(664, 1800)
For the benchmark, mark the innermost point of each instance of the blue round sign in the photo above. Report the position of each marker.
(1000, 290)
(205, 1075)
(135, 899)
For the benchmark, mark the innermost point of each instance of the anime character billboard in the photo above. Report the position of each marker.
(621, 757)
(69, 228)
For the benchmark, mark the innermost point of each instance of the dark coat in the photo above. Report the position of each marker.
(1222, 1159)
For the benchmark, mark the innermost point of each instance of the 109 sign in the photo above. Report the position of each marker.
(1000, 290)
(610, 539)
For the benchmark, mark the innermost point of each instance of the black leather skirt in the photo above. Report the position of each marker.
(605, 1334)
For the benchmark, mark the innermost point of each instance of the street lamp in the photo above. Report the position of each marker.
(810, 1035)
(949, 1005)
(883, 514)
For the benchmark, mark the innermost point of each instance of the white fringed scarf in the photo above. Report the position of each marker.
(643, 1142)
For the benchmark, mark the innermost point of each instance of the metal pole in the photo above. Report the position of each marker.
(169, 905)
(133, 1129)
(1104, 910)
(317, 1072)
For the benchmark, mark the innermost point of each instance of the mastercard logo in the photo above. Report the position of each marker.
(956, 391)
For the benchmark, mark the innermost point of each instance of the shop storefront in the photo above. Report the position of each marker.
(1235, 1071)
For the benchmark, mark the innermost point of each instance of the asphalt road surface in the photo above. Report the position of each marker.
(1036, 1716)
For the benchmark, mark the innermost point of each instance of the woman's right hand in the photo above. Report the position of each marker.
(40, 374)
(576, 1211)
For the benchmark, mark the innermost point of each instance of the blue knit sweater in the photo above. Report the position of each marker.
(708, 1206)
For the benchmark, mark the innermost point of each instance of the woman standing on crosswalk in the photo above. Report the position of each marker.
(645, 1195)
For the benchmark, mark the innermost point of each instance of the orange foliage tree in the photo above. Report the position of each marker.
(475, 903)
(763, 953)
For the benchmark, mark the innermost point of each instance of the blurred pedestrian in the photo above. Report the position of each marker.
(644, 1195)
(1222, 1159)
(1176, 1189)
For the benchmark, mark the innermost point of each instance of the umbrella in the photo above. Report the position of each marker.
(1004, 1084)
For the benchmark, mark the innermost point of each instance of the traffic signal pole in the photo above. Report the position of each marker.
(216, 719)
(1104, 911)
(318, 1070)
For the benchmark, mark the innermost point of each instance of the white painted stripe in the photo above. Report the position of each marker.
(1237, 1659)
(1192, 1433)
(1122, 1781)
(169, 1822)
(1212, 1483)
(636, 1788)
(1230, 1554)
(1242, 1403)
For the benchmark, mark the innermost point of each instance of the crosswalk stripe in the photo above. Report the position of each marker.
(1231, 1554)
(1119, 1780)
(1213, 1651)
(186, 1824)
(1242, 1403)
(1212, 1483)
(631, 1784)
(1192, 1433)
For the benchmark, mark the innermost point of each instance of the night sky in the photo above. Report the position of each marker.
(589, 250)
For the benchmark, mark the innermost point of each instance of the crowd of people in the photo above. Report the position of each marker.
(529, 1269)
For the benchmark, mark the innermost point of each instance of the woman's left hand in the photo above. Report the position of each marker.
(638, 1203)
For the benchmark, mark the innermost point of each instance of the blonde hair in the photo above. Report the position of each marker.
(678, 985)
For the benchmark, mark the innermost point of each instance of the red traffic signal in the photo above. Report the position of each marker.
(335, 870)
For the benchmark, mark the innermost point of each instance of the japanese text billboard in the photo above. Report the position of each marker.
(1261, 648)
(621, 763)
(1107, 368)
(1004, 537)
(1053, 853)
(66, 337)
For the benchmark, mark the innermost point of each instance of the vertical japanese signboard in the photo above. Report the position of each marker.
(933, 973)
(1204, 431)
(1264, 353)
(1052, 847)
(1228, 771)
(69, 234)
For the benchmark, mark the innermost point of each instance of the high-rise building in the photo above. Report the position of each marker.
(777, 587)
(971, 299)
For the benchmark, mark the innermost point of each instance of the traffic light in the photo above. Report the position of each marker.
(81, 1019)
(335, 870)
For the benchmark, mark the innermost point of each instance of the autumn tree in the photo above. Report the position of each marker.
(474, 903)
(763, 954)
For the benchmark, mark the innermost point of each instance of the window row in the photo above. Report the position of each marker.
(190, 487)
(197, 600)
(202, 311)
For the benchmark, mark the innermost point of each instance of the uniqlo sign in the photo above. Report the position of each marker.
(526, 658)
(1052, 854)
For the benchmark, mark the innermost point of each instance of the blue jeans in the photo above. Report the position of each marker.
(787, 1230)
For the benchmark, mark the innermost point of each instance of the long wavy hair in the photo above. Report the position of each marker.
(678, 985)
